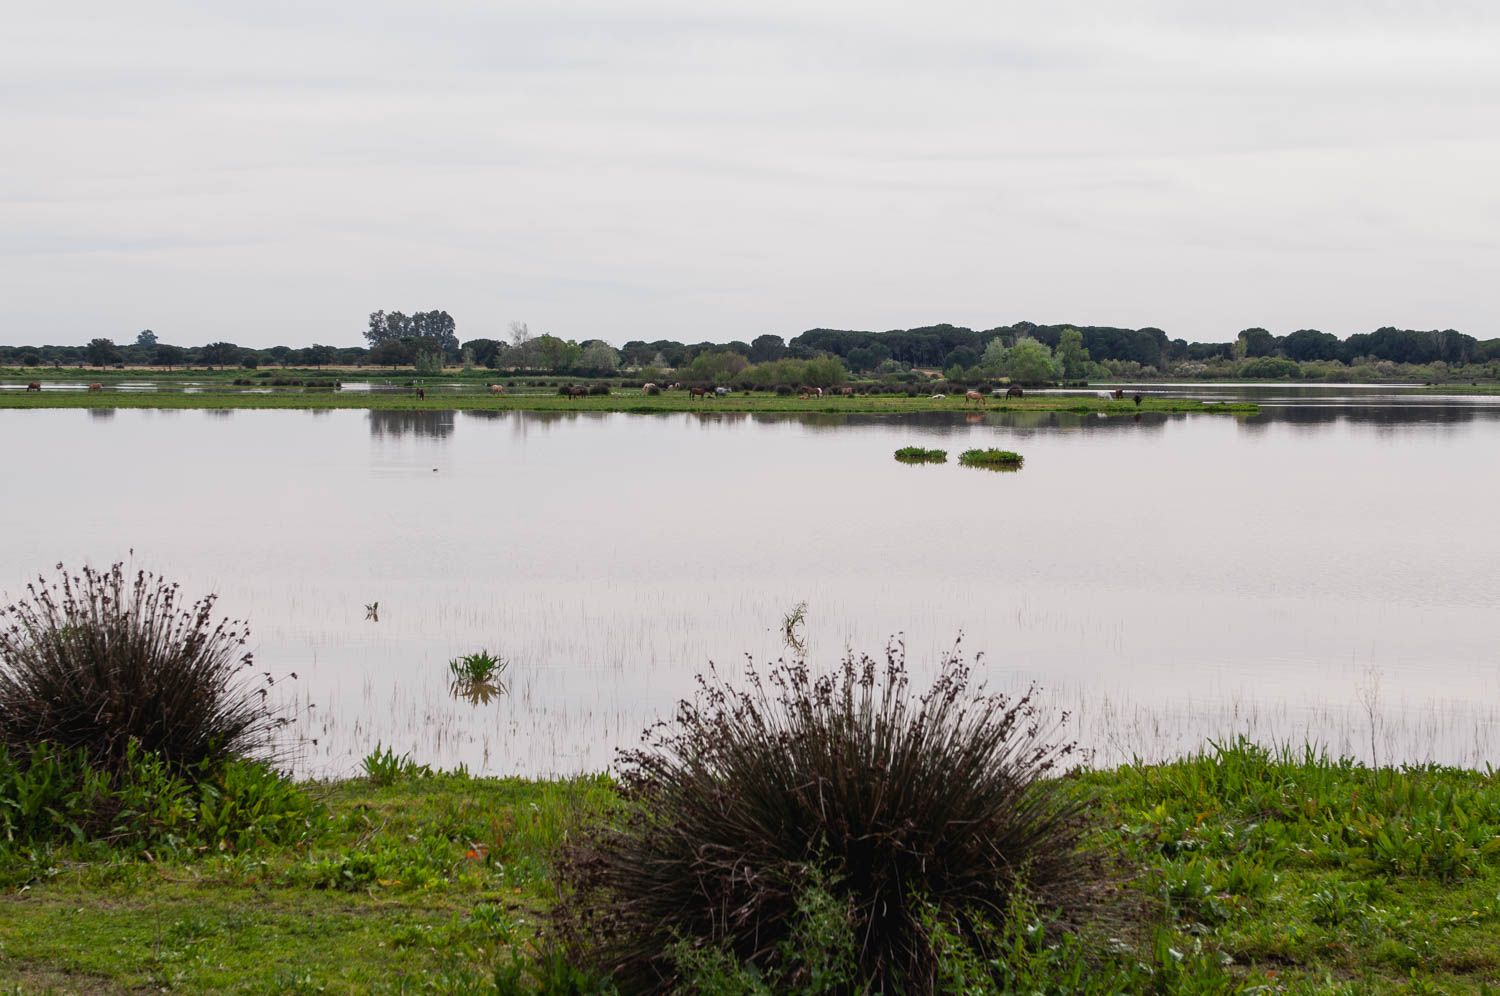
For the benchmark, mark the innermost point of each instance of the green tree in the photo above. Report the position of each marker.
(168, 356)
(1071, 355)
(992, 361)
(1030, 362)
(715, 367)
(145, 338)
(764, 348)
(826, 371)
(101, 352)
(1255, 342)
(557, 354)
(220, 354)
(599, 357)
(390, 353)
(318, 355)
(434, 329)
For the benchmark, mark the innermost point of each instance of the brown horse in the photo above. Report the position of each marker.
(497, 388)
(422, 393)
(33, 386)
(974, 396)
(95, 387)
(1119, 394)
(698, 392)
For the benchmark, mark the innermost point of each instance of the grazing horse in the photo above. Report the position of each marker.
(698, 392)
(1119, 394)
(33, 386)
(1014, 391)
(497, 388)
(937, 397)
(847, 392)
(648, 388)
(974, 396)
(422, 393)
(95, 387)
(1138, 401)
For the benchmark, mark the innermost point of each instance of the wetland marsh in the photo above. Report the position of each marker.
(1322, 571)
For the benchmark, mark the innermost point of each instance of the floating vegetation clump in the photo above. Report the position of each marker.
(792, 632)
(916, 454)
(476, 676)
(992, 459)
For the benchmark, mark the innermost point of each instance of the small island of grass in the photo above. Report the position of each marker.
(992, 459)
(916, 454)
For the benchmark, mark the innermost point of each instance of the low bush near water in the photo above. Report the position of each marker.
(129, 719)
(55, 796)
(904, 820)
(115, 667)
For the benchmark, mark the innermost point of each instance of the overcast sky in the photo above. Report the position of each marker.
(271, 172)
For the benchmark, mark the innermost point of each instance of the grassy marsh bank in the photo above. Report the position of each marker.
(1284, 871)
(629, 401)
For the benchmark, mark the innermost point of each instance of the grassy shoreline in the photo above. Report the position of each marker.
(1285, 870)
(627, 401)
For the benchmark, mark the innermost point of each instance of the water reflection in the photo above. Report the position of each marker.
(418, 424)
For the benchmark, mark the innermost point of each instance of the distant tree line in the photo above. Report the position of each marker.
(1024, 351)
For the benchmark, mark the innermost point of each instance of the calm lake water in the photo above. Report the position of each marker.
(1326, 571)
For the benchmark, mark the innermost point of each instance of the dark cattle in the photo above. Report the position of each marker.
(33, 386)
(422, 393)
(1014, 392)
(1137, 401)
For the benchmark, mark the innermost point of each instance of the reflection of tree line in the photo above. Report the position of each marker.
(440, 424)
(398, 424)
(1388, 416)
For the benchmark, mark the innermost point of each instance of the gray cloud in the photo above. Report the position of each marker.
(271, 173)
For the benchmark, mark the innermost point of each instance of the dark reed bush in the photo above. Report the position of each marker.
(107, 665)
(598, 389)
(783, 390)
(907, 810)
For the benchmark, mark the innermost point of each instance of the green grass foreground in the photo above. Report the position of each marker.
(631, 401)
(1269, 873)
